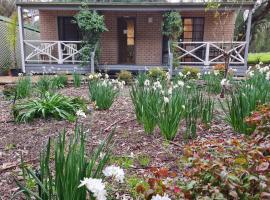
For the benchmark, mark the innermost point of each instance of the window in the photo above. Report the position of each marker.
(193, 29)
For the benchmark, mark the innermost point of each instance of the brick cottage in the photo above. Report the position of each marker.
(134, 40)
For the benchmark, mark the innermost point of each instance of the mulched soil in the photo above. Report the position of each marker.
(129, 138)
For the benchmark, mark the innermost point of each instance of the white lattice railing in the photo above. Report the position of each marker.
(60, 52)
(208, 53)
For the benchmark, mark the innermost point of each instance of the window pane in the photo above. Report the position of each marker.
(187, 21)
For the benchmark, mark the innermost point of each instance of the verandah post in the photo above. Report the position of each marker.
(21, 33)
(247, 37)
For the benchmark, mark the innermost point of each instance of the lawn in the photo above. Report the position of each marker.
(151, 138)
(255, 58)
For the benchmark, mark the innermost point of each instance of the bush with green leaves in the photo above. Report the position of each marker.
(212, 81)
(191, 72)
(48, 106)
(71, 165)
(157, 73)
(104, 92)
(126, 76)
(23, 87)
(77, 80)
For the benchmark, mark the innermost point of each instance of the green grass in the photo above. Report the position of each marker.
(255, 58)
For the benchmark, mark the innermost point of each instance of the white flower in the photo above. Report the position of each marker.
(106, 76)
(170, 91)
(216, 72)
(166, 100)
(180, 74)
(268, 76)
(188, 73)
(20, 74)
(96, 187)
(158, 197)
(184, 107)
(99, 75)
(91, 76)
(199, 75)
(104, 83)
(181, 83)
(80, 113)
(168, 76)
(146, 82)
(157, 85)
(250, 73)
(224, 82)
(116, 172)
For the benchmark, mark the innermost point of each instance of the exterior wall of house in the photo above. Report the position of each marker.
(148, 36)
(215, 28)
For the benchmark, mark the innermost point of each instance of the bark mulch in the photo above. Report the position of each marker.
(129, 139)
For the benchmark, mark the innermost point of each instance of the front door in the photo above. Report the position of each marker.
(126, 40)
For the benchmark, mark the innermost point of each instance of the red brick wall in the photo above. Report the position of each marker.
(148, 36)
(48, 23)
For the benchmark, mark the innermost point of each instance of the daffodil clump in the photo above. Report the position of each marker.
(246, 96)
(103, 91)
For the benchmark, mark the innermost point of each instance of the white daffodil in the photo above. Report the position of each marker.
(166, 100)
(157, 85)
(188, 73)
(158, 197)
(115, 172)
(180, 74)
(225, 82)
(216, 72)
(180, 83)
(168, 76)
(170, 91)
(106, 76)
(96, 186)
(268, 76)
(91, 76)
(80, 113)
(250, 73)
(146, 83)
(199, 75)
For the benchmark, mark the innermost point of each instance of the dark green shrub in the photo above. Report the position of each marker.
(48, 106)
(125, 75)
(157, 73)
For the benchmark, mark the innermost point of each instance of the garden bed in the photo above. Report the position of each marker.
(130, 139)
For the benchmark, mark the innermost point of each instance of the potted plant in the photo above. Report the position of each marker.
(12, 41)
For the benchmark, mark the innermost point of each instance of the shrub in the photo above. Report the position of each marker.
(104, 92)
(23, 87)
(191, 72)
(77, 80)
(48, 106)
(225, 169)
(60, 81)
(125, 75)
(71, 165)
(157, 73)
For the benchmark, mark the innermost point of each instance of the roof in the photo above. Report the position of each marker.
(135, 5)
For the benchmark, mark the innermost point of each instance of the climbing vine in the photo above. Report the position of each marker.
(172, 28)
(91, 25)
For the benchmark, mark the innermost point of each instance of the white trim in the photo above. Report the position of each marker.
(21, 33)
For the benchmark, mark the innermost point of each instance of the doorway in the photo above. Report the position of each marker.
(126, 40)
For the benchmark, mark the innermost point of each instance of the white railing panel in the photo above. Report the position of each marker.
(209, 53)
(60, 52)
